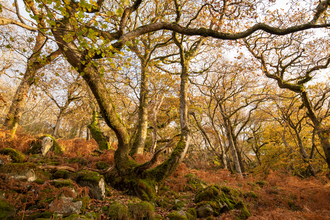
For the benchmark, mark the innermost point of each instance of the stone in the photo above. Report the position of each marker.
(15, 155)
(204, 211)
(93, 180)
(43, 145)
(23, 172)
(65, 206)
(47, 144)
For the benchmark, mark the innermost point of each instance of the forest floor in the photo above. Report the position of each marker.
(270, 195)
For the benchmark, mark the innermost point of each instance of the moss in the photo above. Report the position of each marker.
(91, 176)
(224, 199)
(62, 183)
(142, 211)
(176, 216)
(208, 194)
(250, 194)
(36, 146)
(61, 174)
(118, 211)
(191, 214)
(57, 149)
(97, 133)
(85, 202)
(107, 192)
(72, 217)
(16, 155)
(81, 161)
(179, 204)
(43, 215)
(7, 211)
(194, 183)
(102, 165)
(262, 183)
(21, 168)
(244, 211)
(144, 189)
(164, 170)
(169, 193)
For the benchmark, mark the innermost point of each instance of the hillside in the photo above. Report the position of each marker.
(264, 196)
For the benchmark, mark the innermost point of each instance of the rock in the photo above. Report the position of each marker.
(7, 211)
(59, 183)
(23, 171)
(43, 145)
(208, 194)
(204, 211)
(118, 211)
(16, 156)
(47, 144)
(180, 215)
(93, 180)
(65, 206)
(142, 210)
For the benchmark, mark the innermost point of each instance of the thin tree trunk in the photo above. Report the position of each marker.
(88, 134)
(231, 145)
(57, 125)
(158, 103)
(17, 107)
(140, 139)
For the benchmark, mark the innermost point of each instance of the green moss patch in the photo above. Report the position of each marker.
(221, 199)
(101, 165)
(118, 211)
(7, 211)
(36, 146)
(22, 168)
(194, 183)
(16, 156)
(81, 161)
(61, 174)
(59, 183)
(143, 210)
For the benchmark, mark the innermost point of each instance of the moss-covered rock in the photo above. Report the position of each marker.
(118, 211)
(208, 194)
(39, 181)
(59, 183)
(216, 199)
(44, 215)
(7, 211)
(36, 146)
(61, 174)
(142, 211)
(194, 183)
(93, 180)
(177, 215)
(24, 171)
(243, 209)
(16, 155)
(191, 214)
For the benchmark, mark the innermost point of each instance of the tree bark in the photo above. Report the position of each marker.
(141, 136)
(97, 134)
(231, 142)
